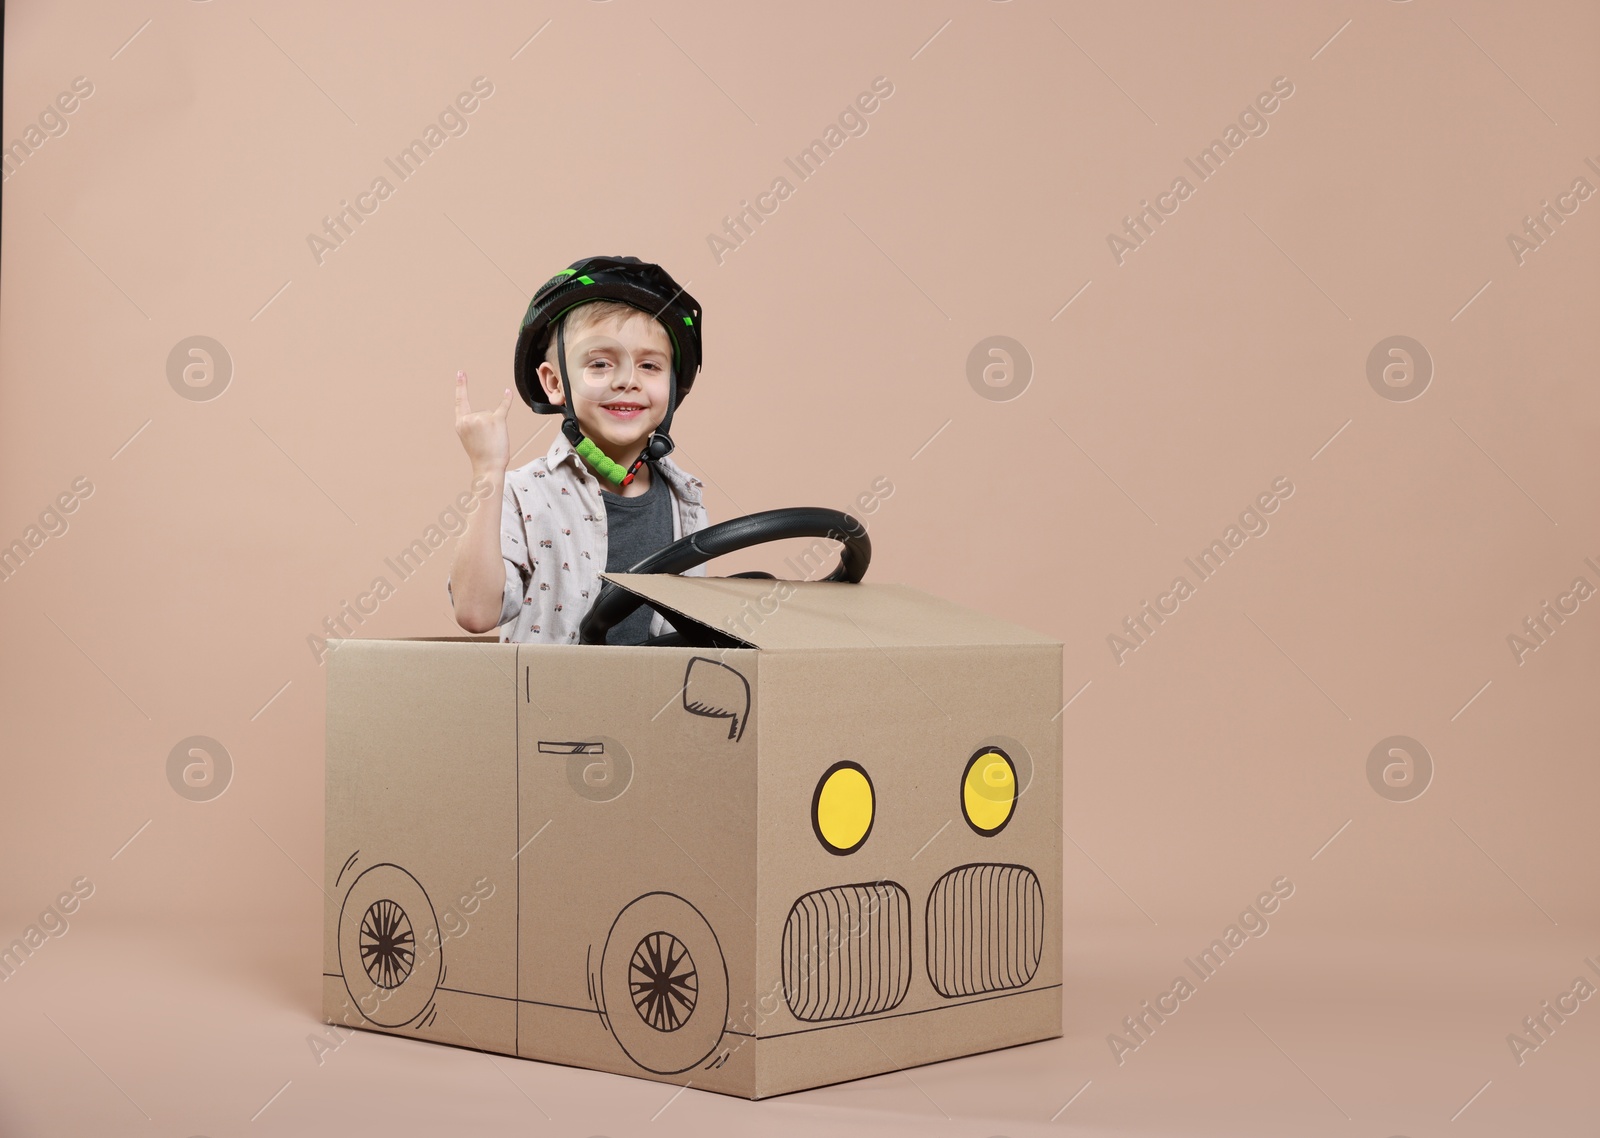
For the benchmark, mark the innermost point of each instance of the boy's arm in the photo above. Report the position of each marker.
(478, 574)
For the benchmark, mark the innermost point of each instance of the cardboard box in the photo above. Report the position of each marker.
(832, 852)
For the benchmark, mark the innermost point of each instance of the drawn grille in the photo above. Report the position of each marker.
(847, 951)
(985, 926)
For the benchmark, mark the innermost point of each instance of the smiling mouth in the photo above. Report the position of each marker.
(623, 408)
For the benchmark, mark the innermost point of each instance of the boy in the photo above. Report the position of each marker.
(612, 344)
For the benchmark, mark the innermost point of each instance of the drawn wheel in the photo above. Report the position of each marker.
(662, 981)
(664, 984)
(389, 946)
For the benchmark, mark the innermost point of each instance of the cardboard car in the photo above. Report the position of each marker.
(819, 841)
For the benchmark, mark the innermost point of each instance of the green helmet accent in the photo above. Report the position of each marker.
(612, 471)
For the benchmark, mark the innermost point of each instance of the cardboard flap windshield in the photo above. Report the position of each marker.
(831, 854)
(822, 614)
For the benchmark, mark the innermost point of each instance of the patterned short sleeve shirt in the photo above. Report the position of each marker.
(553, 542)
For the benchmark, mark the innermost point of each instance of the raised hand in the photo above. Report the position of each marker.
(483, 433)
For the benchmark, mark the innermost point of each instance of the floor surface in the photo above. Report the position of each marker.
(123, 1030)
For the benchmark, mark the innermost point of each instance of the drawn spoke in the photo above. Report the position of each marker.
(662, 980)
(388, 946)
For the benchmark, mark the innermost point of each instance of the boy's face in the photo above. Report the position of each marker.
(620, 372)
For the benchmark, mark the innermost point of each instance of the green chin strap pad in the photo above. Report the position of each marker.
(602, 462)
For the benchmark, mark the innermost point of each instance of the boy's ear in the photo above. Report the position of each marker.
(550, 380)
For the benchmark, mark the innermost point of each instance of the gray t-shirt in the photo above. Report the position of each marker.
(635, 528)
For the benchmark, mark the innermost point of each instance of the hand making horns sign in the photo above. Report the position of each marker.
(483, 433)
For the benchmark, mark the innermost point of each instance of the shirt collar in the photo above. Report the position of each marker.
(686, 485)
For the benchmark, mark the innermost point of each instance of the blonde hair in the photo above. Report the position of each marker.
(586, 315)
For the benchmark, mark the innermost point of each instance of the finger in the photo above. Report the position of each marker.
(463, 407)
(505, 405)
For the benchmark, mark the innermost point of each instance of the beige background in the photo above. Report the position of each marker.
(1167, 392)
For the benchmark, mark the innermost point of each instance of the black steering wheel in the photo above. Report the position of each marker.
(615, 604)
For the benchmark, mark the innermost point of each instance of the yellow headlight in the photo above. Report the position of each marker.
(989, 790)
(842, 807)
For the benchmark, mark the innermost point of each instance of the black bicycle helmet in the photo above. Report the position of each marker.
(641, 284)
